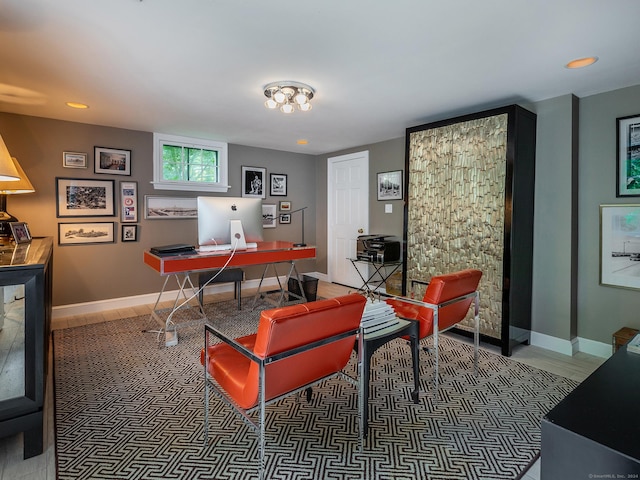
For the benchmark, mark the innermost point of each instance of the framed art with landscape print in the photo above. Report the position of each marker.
(620, 245)
(628, 158)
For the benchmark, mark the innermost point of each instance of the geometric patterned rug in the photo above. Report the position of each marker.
(127, 407)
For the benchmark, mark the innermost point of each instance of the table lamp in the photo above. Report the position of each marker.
(10, 187)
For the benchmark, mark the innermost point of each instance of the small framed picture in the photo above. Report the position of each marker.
(268, 215)
(390, 185)
(74, 160)
(84, 233)
(81, 197)
(628, 158)
(129, 233)
(128, 201)
(285, 206)
(278, 185)
(253, 182)
(20, 232)
(285, 218)
(112, 161)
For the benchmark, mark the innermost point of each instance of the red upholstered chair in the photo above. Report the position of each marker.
(295, 347)
(445, 303)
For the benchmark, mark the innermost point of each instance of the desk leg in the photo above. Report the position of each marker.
(415, 356)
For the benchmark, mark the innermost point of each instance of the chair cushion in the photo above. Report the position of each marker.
(441, 288)
(280, 330)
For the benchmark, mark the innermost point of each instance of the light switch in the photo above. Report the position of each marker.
(388, 208)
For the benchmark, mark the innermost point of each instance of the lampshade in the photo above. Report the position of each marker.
(8, 172)
(22, 185)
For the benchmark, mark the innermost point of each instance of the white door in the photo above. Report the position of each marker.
(347, 214)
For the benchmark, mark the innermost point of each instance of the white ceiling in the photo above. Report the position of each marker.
(197, 67)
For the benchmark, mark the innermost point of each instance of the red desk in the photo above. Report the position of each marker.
(180, 266)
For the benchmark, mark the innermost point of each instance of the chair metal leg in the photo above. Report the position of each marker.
(476, 333)
(437, 353)
(262, 417)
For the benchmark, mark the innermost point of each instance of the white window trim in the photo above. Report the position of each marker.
(159, 184)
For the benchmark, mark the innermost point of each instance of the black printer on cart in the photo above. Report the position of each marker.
(378, 248)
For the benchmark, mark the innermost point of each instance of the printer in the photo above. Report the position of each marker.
(378, 248)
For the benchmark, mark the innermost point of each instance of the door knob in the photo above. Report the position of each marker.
(360, 230)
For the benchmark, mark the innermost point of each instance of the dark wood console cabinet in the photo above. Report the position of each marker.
(25, 275)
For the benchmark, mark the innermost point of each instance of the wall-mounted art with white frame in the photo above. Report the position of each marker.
(128, 201)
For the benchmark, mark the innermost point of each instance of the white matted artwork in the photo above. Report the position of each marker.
(620, 245)
(268, 215)
(128, 201)
(168, 208)
(85, 233)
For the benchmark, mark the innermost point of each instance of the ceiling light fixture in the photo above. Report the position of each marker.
(288, 95)
(581, 62)
(77, 105)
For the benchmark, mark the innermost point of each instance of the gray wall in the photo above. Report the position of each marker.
(86, 273)
(601, 310)
(383, 157)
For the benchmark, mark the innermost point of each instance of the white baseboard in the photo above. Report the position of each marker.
(571, 347)
(71, 310)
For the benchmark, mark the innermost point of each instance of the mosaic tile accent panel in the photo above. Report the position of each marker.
(457, 207)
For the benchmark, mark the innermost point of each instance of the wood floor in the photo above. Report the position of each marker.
(42, 467)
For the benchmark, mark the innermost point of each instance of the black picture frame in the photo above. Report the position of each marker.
(86, 233)
(254, 182)
(278, 184)
(112, 161)
(628, 156)
(129, 233)
(390, 186)
(83, 197)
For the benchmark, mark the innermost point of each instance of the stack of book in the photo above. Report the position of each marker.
(377, 315)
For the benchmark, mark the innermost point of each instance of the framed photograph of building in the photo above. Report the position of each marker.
(170, 208)
(278, 182)
(620, 245)
(628, 156)
(269, 216)
(74, 160)
(85, 233)
(390, 185)
(81, 197)
(112, 161)
(253, 182)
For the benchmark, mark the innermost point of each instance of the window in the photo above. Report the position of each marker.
(182, 163)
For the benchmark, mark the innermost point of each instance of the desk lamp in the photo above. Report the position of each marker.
(301, 244)
(10, 184)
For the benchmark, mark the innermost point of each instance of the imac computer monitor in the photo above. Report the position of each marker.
(225, 223)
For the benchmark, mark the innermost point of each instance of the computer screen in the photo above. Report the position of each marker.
(217, 216)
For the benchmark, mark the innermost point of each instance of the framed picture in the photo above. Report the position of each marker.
(253, 182)
(85, 233)
(74, 160)
(285, 206)
(112, 161)
(278, 185)
(390, 185)
(20, 232)
(285, 218)
(129, 233)
(128, 201)
(628, 163)
(81, 197)
(620, 245)
(268, 215)
(167, 208)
